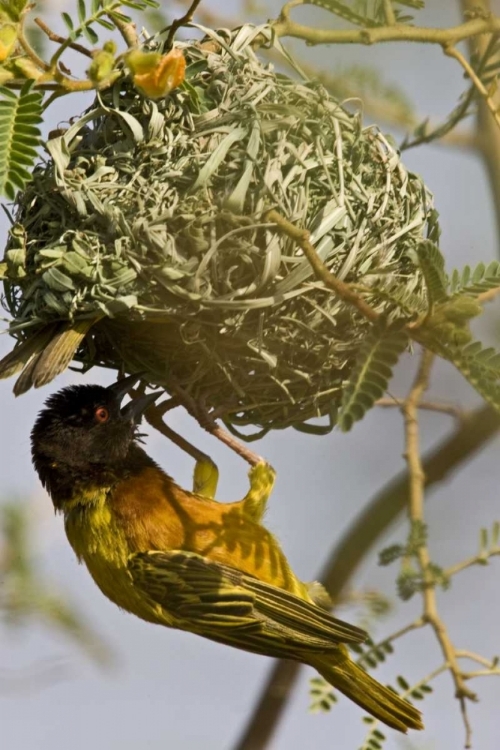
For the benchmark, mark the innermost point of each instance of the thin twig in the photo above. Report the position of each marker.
(61, 40)
(167, 405)
(182, 21)
(30, 52)
(465, 654)
(343, 290)
(494, 672)
(215, 19)
(415, 625)
(154, 416)
(480, 559)
(452, 51)
(487, 132)
(416, 513)
(284, 26)
(451, 409)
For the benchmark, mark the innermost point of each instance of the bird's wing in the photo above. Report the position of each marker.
(55, 357)
(227, 605)
(23, 353)
(44, 354)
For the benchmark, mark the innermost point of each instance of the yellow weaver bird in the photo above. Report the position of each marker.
(182, 559)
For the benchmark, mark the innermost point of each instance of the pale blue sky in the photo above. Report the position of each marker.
(173, 690)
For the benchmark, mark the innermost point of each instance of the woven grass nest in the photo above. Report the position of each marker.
(151, 215)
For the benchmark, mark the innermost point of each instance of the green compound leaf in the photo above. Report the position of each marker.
(474, 282)
(19, 137)
(371, 373)
(322, 697)
(480, 366)
(432, 264)
(348, 13)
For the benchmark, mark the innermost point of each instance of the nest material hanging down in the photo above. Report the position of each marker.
(148, 218)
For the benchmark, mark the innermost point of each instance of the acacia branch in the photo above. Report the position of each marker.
(284, 26)
(61, 40)
(179, 22)
(480, 559)
(487, 132)
(416, 512)
(442, 408)
(452, 51)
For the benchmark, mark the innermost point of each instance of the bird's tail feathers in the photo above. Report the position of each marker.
(379, 701)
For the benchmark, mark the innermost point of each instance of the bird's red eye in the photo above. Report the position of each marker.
(101, 414)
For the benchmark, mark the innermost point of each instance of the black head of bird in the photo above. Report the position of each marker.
(84, 431)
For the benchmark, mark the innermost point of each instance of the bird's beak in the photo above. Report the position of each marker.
(134, 410)
(123, 386)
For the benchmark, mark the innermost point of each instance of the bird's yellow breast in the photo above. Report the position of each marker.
(99, 541)
(148, 511)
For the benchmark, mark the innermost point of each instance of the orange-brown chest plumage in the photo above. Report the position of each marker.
(148, 511)
(156, 514)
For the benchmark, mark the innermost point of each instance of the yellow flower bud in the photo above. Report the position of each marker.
(8, 39)
(156, 75)
(103, 63)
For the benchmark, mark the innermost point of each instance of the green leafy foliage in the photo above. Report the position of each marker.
(375, 738)
(371, 373)
(102, 13)
(431, 262)
(19, 137)
(448, 326)
(371, 654)
(489, 543)
(389, 554)
(410, 580)
(356, 13)
(401, 297)
(480, 366)
(13, 8)
(322, 697)
(473, 282)
(368, 13)
(487, 68)
(417, 538)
